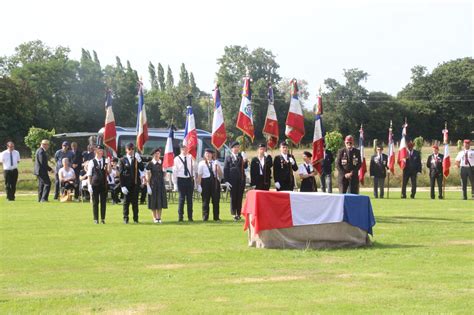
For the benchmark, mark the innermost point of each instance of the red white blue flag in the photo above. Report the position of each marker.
(168, 158)
(245, 120)
(446, 158)
(295, 120)
(403, 151)
(190, 133)
(270, 129)
(142, 124)
(363, 167)
(219, 135)
(110, 133)
(391, 150)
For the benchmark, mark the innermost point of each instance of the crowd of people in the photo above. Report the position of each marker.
(90, 175)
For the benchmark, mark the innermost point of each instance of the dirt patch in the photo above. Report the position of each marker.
(461, 242)
(134, 309)
(369, 275)
(266, 279)
(167, 266)
(52, 292)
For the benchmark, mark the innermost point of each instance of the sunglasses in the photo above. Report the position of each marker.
(348, 142)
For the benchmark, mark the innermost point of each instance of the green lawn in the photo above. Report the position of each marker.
(54, 260)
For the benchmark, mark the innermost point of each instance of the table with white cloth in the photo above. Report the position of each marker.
(307, 220)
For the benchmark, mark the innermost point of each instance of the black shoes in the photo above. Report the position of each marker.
(96, 221)
(125, 220)
(102, 221)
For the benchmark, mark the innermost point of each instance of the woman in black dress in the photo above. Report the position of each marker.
(155, 178)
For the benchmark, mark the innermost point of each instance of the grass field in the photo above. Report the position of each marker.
(54, 260)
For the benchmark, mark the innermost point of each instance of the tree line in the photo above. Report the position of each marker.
(43, 87)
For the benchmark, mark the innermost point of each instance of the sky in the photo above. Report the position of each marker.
(312, 40)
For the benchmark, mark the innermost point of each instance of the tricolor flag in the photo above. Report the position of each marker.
(219, 135)
(168, 158)
(403, 151)
(270, 129)
(110, 133)
(190, 133)
(245, 120)
(319, 105)
(446, 158)
(391, 151)
(363, 166)
(295, 120)
(142, 124)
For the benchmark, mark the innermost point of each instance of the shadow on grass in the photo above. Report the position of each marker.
(379, 245)
(405, 219)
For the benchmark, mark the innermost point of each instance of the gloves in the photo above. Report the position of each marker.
(148, 189)
(244, 156)
(265, 154)
(125, 190)
(138, 157)
(277, 185)
(199, 189)
(252, 187)
(107, 160)
(292, 161)
(90, 189)
(175, 188)
(228, 185)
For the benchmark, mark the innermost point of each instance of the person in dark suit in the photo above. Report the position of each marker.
(283, 167)
(435, 165)
(130, 169)
(378, 170)
(411, 170)
(77, 166)
(261, 169)
(348, 163)
(97, 172)
(326, 175)
(41, 171)
(234, 178)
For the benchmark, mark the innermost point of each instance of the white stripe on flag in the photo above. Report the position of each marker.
(329, 209)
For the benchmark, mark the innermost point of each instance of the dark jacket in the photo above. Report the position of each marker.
(234, 170)
(413, 163)
(283, 172)
(378, 167)
(348, 161)
(436, 168)
(327, 162)
(261, 181)
(41, 163)
(129, 172)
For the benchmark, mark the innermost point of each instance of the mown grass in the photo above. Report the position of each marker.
(54, 260)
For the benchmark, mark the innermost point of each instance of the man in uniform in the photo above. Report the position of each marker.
(130, 170)
(348, 163)
(234, 177)
(97, 172)
(283, 167)
(465, 161)
(62, 153)
(435, 165)
(261, 169)
(184, 169)
(10, 159)
(41, 171)
(209, 172)
(378, 169)
(411, 170)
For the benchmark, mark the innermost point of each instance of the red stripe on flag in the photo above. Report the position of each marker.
(245, 125)
(219, 137)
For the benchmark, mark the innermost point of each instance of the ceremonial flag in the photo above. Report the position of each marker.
(391, 151)
(190, 133)
(363, 166)
(270, 129)
(446, 158)
(295, 120)
(245, 120)
(219, 135)
(168, 157)
(110, 133)
(142, 124)
(403, 151)
(319, 105)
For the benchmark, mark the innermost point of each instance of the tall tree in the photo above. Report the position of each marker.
(152, 73)
(169, 80)
(161, 77)
(183, 78)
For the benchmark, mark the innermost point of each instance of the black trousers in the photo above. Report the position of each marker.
(412, 178)
(44, 186)
(11, 178)
(236, 196)
(57, 185)
(143, 194)
(99, 195)
(185, 190)
(438, 178)
(286, 186)
(114, 190)
(211, 190)
(467, 173)
(379, 185)
(131, 198)
(350, 186)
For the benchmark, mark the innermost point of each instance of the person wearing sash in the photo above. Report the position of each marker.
(209, 172)
(235, 165)
(97, 171)
(184, 169)
(261, 169)
(307, 173)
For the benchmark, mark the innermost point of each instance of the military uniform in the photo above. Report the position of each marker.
(283, 171)
(129, 174)
(435, 165)
(97, 172)
(411, 170)
(378, 169)
(348, 161)
(211, 188)
(234, 173)
(261, 172)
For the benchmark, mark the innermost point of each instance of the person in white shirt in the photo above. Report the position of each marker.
(307, 173)
(184, 169)
(67, 176)
(10, 159)
(208, 175)
(465, 161)
(97, 171)
(113, 181)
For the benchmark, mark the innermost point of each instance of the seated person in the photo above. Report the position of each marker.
(83, 183)
(113, 181)
(67, 176)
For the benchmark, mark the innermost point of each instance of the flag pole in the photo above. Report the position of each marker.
(388, 177)
(445, 142)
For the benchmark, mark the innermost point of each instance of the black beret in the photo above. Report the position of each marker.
(99, 146)
(234, 144)
(155, 150)
(130, 145)
(262, 145)
(307, 153)
(283, 144)
(209, 150)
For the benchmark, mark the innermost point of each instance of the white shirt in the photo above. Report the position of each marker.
(91, 165)
(178, 167)
(66, 175)
(262, 164)
(461, 157)
(5, 158)
(302, 169)
(203, 169)
(111, 176)
(285, 157)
